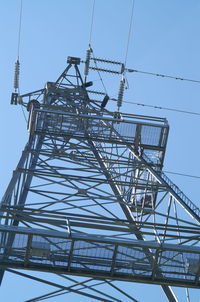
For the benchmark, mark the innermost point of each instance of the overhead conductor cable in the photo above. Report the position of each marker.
(122, 81)
(89, 50)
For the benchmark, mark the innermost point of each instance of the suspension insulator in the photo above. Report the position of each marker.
(121, 92)
(16, 76)
(87, 61)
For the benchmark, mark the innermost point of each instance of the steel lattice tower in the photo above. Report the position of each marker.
(89, 199)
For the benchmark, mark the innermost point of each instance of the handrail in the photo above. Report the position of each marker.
(182, 198)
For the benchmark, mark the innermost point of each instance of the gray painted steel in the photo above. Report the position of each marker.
(90, 189)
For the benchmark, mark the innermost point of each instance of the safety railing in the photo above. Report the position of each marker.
(175, 189)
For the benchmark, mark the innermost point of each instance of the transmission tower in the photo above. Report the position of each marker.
(89, 199)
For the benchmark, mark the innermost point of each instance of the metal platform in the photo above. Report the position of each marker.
(100, 257)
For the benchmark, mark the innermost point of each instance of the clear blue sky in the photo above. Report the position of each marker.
(164, 39)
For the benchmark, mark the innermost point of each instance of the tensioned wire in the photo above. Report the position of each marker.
(160, 107)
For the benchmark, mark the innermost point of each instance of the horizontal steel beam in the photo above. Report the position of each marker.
(104, 256)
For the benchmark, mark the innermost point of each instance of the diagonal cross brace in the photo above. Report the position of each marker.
(167, 289)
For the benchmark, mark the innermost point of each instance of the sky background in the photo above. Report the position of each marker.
(164, 39)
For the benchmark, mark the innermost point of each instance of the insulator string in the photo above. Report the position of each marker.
(16, 75)
(131, 70)
(17, 63)
(120, 93)
(87, 61)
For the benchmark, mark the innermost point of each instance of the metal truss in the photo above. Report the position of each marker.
(89, 199)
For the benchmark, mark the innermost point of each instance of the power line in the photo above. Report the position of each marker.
(163, 75)
(161, 108)
(19, 30)
(182, 174)
(18, 53)
(129, 33)
(124, 70)
(92, 21)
